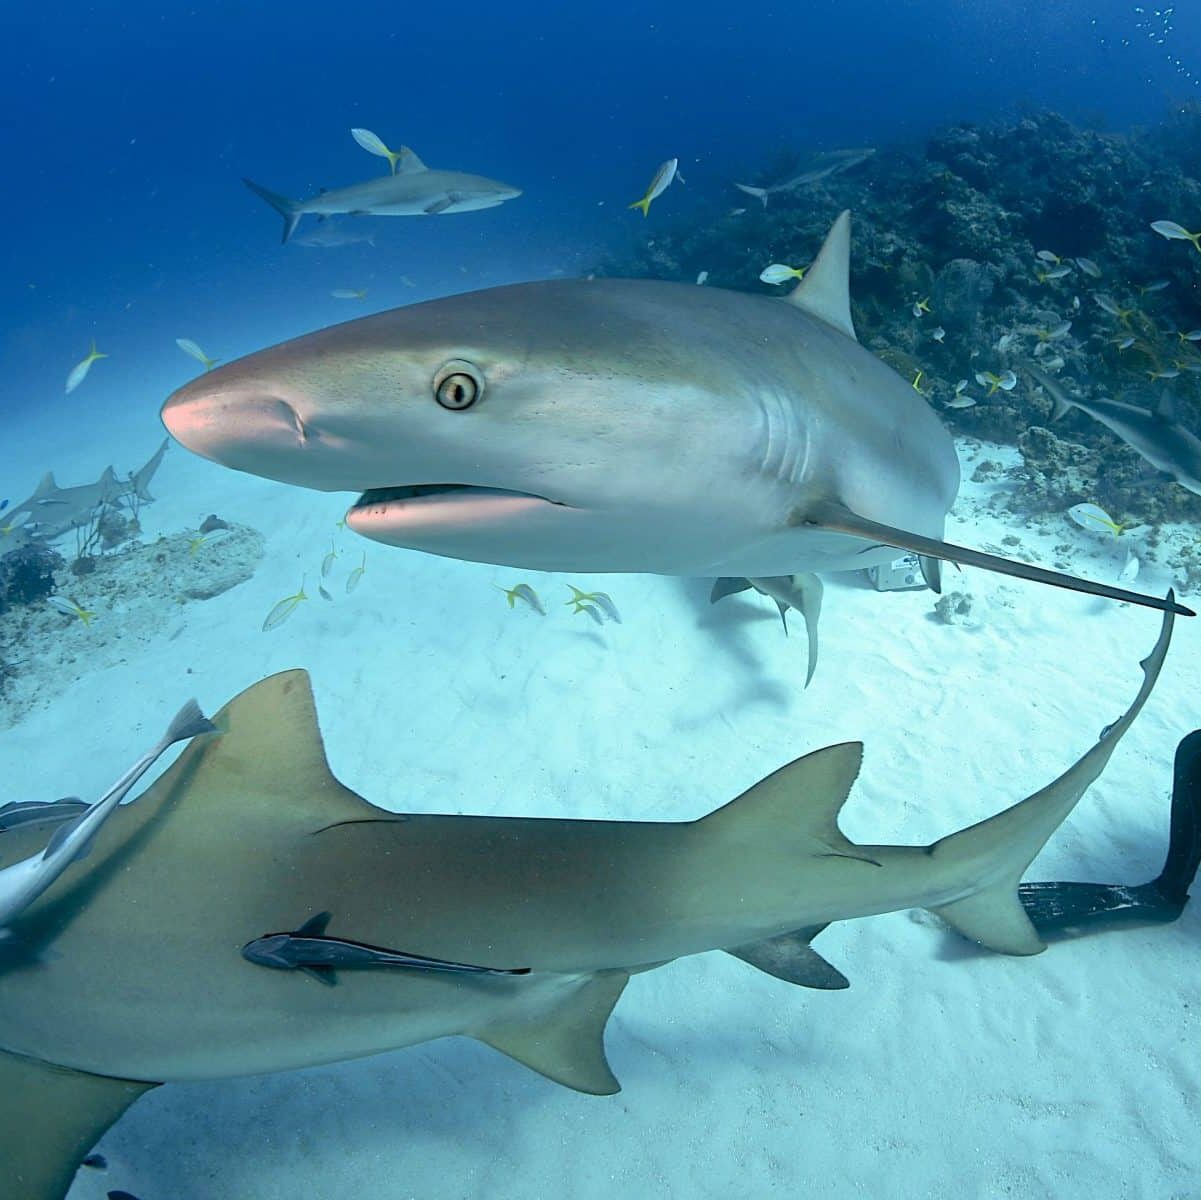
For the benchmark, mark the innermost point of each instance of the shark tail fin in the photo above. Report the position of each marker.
(288, 209)
(1059, 398)
(50, 1117)
(1000, 849)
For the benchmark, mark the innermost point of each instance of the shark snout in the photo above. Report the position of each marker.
(246, 429)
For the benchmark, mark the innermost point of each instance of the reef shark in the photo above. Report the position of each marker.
(1156, 434)
(140, 977)
(607, 425)
(52, 510)
(414, 191)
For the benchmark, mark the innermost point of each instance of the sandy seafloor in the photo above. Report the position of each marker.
(942, 1072)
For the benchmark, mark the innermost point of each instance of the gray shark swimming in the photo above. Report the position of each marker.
(52, 510)
(136, 974)
(1157, 434)
(414, 191)
(607, 425)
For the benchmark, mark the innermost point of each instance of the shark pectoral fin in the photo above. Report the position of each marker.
(566, 1044)
(831, 515)
(50, 1117)
(790, 957)
(439, 205)
(931, 570)
(727, 586)
(325, 975)
(994, 917)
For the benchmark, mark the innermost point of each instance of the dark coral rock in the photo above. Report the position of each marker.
(27, 575)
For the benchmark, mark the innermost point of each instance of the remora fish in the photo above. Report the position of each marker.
(246, 827)
(311, 950)
(414, 191)
(23, 882)
(1157, 435)
(607, 425)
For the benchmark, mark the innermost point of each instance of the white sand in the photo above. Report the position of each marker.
(941, 1072)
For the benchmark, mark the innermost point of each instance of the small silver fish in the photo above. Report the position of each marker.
(355, 577)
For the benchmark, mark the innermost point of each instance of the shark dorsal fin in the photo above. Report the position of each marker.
(268, 766)
(46, 487)
(566, 1043)
(1165, 410)
(408, 162)
(806, 795)
(825, 292)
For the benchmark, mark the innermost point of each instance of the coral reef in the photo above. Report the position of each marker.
(987, 226)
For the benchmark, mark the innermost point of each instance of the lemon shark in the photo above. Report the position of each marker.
(133, 970)
(415, 190)
(607, 425)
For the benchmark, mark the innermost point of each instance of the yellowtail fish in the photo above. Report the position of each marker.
(1109, 305)
(354, 578)
(921, 306)
(662, 180)
(781, 273)
(601, 600)
(70, 608)
(1093, 516)
(962, 402)
(1006, 381)
(327, 562)
(1174, 232)
(938, 333)
(1158, 286)
(374, 145)
(349, 294)
(523, 591)
(702, 278)
(1048, 257)
(190, 348)
(1054, 273)
(79, 372)
(284, 609)
(1089, 267)
(1193, 335)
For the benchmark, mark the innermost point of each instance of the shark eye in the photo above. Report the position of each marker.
(458, 385)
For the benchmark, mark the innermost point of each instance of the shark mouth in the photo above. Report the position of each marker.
(378, 497)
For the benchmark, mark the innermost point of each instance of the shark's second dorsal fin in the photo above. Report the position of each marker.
(408, 162)
(825, 292)
(806, 796)
(567, 1043)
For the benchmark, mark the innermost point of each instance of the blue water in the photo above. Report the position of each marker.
(127, 131)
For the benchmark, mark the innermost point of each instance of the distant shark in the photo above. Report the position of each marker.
(414, 191)
(1157, 434)
(52, 510)
(133, 971)
(607, 425)
(825, 165)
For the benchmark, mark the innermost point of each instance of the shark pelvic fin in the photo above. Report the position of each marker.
(566, 1044)
(825, 292)
(832, 515)
(50, 1117)
(790, 957)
